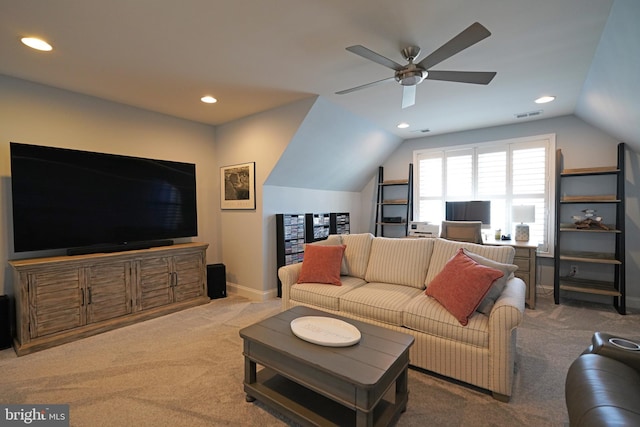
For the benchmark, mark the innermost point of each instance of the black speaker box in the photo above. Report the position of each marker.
(394, 219)
(5, 322)
(216, 281)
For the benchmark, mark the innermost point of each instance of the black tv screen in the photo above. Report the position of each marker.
(474, 210)
(65, 198)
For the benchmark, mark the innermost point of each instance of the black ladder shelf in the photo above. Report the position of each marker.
(606, 252)
(394, 205)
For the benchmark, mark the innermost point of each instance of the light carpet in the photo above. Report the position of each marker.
(186, 369)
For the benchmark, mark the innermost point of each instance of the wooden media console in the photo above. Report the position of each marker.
(62, 299)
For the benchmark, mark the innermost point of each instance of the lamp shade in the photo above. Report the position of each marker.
(524, 213)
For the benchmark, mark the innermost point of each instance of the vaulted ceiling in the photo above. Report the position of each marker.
(252, 55)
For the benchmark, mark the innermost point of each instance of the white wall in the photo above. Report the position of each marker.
(608, 98)
(311, 156)
(333, 149)
(582, 145)
(632, 227)
(261, 138)
(41, 115)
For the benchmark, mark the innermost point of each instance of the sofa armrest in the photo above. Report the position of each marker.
(602, 345)
(601, 391)
(288, 276)
(508, 311)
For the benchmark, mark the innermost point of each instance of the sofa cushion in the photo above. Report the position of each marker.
(321, 295)
(425, 314)
(444, 250)
(498, 285)
(357, 253)
(383, 302)
(462, 285)
(333, 240)
(399, 261)
(321, 264)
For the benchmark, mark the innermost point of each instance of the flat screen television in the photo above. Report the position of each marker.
(473, 210)
(93, 202)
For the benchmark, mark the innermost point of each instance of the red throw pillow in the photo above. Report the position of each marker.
(321, 264)
(461, 285)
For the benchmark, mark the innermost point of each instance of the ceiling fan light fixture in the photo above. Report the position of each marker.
(411, 77)
(208, 99)
(545, 99)
(36, 43)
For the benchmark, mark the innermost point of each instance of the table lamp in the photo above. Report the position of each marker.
(523, 214)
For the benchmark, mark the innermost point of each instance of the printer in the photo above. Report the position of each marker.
(423, 229)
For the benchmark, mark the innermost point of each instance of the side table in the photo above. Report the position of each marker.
(525, 259)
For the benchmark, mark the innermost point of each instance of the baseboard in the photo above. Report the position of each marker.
(632, 302)
(545, 288)
(249, 293)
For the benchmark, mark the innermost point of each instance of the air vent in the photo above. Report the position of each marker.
(421, 130)
(528, 114)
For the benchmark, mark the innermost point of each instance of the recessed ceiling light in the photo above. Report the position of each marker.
(402, 125)
(208, 99)
(545, 99)
(36, 43)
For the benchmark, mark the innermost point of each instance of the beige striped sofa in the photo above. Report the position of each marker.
(383, 282)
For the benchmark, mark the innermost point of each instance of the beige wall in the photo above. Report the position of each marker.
(36, 114)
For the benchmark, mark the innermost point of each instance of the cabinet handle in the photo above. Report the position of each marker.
(82, 293)
(89, 302)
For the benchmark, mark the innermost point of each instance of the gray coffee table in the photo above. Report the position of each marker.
(318, 385)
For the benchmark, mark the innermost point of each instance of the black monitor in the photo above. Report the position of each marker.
(474, 210)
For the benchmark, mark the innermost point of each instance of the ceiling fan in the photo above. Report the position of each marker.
(410, 75)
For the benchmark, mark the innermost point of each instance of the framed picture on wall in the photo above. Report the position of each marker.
(238, 186)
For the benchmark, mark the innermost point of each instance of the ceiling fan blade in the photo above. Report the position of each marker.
(375, 57)
(468, 37)
(475, 77)
(353, 89)
(408, 96)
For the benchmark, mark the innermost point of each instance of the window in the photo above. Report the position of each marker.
(508, 173)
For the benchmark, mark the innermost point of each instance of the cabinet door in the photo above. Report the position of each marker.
(189, 278)
(56, 299)
(108, 291)
(154, 282)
